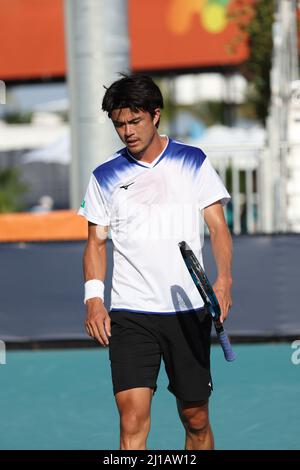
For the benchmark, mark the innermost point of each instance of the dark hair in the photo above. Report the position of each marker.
(137, 92)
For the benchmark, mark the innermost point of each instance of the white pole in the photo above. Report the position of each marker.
(266, 193)
(236, 198)
(97, 50)
(284, 71)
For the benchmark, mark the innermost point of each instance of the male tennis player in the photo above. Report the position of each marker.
(151, 195)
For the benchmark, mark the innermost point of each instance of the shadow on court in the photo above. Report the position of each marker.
(62, 399)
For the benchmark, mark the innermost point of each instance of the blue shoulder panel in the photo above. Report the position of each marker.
(109, 173)
(190, 157)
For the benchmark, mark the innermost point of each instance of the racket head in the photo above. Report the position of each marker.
(200, 279)
(207, 293)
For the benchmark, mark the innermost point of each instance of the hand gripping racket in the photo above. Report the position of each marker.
(209, 298)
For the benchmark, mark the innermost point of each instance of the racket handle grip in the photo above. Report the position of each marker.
(226, 346)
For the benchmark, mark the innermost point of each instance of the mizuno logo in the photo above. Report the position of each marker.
(125, 186)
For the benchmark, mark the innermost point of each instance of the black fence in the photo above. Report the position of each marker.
(41, 295)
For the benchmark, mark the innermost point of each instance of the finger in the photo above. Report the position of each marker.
(223, 317)
(224, 302)
(96, 334)
(88, 330)
(224, 311)
(220, 299)
(101, 333)
(107, 326)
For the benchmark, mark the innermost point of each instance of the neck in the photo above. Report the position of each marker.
(152, 151)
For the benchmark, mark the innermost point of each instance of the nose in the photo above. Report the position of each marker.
(128, 130)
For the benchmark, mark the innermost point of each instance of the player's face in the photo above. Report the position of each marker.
(135, 128)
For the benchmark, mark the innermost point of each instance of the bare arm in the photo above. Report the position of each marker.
(97, 321)
(222, 250)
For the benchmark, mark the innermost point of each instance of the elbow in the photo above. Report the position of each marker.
(219, 231)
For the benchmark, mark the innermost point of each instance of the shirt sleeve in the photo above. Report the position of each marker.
(210, 187)
(94, 206)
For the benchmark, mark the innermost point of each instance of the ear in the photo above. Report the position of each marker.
(156, 117)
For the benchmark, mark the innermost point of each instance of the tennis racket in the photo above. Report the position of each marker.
(209, 298)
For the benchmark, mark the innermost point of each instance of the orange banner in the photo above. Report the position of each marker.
(179, 34)
(31, 39)
(164, 34)
(52, 226)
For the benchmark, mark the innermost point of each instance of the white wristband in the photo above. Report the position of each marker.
(93, 288)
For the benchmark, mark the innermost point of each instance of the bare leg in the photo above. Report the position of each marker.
(134, 408)
(195, 419)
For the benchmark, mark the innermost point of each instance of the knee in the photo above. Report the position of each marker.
(198, 428)
(196, 424)
(133, 423)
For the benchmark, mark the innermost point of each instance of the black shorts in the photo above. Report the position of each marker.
(139, 341)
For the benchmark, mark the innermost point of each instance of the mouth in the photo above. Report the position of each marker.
(131, 143)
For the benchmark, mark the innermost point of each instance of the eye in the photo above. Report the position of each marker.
(118, 124)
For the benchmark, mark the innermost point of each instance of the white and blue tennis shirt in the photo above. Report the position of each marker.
(150, 208)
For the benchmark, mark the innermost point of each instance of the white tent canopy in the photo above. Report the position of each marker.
(57, 152)
(43, 132)
(231, 136)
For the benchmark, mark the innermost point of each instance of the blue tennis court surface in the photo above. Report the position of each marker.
(62, 399)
